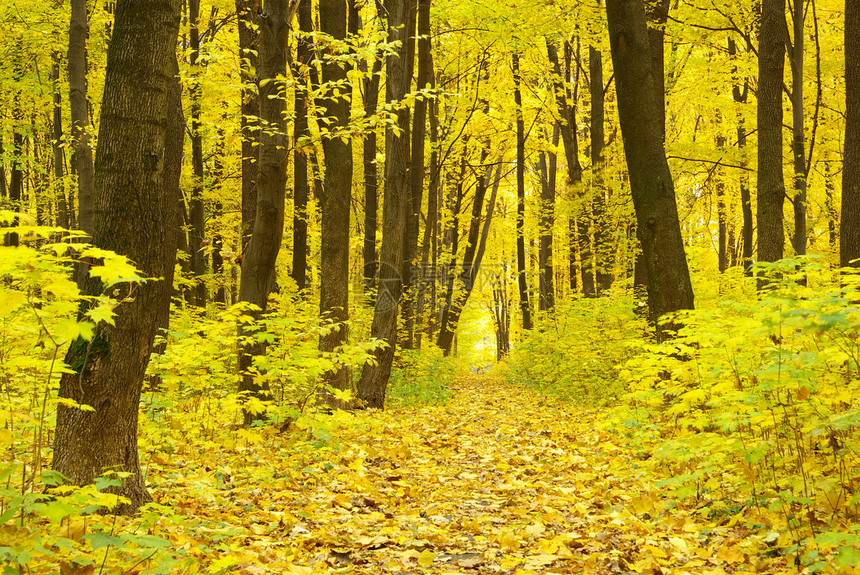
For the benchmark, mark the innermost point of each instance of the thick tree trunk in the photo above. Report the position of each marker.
(771, 183)
(335, 205)
(640, 113)
(258, 264)
(82, 156)
(525, 308)
(249, 39)
(301, 187)
(374, 376)
(132, 203)
(197, 233)
(849, 239)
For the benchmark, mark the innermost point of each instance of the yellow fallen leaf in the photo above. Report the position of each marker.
(426, 558)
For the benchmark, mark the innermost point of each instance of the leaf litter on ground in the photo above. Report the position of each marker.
(498, 480)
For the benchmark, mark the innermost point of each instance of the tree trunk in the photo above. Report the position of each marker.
(334, 248)
(132, 206)
(640, 113)
(371, 179)
(798, 140)
(771, 184)
(301, 187)
(849, 239)
(546, 289)
(416, 173)
(197, 233)
(57, 142)
(249, 39)
(258, 264)
(525, 308)
(603, 252)
(82, 156)
(374, 376)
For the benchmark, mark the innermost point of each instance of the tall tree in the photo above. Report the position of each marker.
(525, 306)
(337, 192)
(82, 156)
(548, 168)
(374, 376)
(131, 204)
(798, 140)
(63, 219)
(849, 239)
(301, 188)
(249, 38)
(602, 234)
(416, 174)
(640, 113)
(771, 183)
(196, 213)
(740, 96)
(258, 264)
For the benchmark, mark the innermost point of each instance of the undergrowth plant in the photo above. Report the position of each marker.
(576, 352)
(751, 414)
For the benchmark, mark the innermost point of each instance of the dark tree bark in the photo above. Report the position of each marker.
(849, 238)
(57, 142)
(131, 217)
(196, 233)
(374, 377)
(82, 156)
(258, 263)
(301, 187)
(798, 141)
(249, 39)
(640, 113)
(771, 183)
(525, 308)
(430, 240)
(16, 174)
(371, 179)
(335, 204)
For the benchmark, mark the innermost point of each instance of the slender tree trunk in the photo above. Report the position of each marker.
(132, 206)
(429, 243)
(830, 210)
(334, 268)
(197, 233)
(82, 156)
(301, 187)
(371, 179)
(722, 226)
(740, 96)
(798, 136)
(416, 173)
(547, 223)
(249, 39)
(771, 184)
(525, 308)
(640, 112)
(603, 251)
(849, 236)
(258, 264)
(57, 142)
(374, 377)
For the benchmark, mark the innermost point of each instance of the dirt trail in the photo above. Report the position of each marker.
(499, 480)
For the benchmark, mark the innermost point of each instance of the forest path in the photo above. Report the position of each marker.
(498, 480)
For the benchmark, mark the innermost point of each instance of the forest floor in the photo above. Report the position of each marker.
(497, 480)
